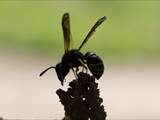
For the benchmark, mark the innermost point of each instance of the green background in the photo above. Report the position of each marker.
(130, 32)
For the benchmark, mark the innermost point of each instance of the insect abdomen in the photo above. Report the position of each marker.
(95, 64)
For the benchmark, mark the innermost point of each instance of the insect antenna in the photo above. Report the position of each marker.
(46, 70)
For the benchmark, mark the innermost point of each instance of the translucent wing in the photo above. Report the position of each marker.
(99, 22)
(66, 31)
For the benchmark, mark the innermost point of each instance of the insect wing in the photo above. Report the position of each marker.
(98, 23)
(66, 31)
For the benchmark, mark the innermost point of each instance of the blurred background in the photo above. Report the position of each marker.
(128, 41)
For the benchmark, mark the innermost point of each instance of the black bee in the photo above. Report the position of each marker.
(73, 58)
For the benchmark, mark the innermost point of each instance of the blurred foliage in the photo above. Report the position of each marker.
(131, 30)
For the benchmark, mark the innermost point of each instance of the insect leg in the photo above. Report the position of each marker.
(84, 66)
(75, 73)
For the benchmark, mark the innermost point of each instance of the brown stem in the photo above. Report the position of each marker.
(81, 101)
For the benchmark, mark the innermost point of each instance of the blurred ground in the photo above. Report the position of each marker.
(130, 91)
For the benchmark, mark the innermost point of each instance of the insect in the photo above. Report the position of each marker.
(73, 58)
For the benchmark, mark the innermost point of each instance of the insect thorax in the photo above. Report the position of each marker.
(73, 58)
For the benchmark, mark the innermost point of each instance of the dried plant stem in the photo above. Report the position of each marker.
(81, 101)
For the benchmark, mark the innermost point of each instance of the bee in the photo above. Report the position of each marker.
(73, 58)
